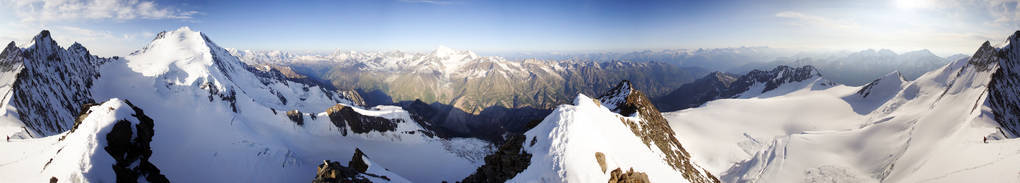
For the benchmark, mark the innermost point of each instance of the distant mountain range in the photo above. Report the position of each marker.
(718, 85)
(858, 68)
(473, 85)
(713, 59)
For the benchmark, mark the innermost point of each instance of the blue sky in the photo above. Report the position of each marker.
(117, 27)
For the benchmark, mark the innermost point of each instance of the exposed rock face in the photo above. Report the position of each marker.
(51, 84)
(1004, 87)
(343, 117)
(618, 176)
(601, 158)
(653, 128)
(296, 116)
(721, 85)
(132, 154)
(353, 96)
(504, 164)
(358, 161)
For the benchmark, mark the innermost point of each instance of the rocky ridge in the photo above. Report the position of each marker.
(51, 83)
(720, 85)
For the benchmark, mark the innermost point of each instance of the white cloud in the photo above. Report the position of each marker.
(1003, 10)
(57, 10)
(802, 19)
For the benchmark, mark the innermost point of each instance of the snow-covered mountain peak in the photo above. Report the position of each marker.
(77, 47)
(451, 60)
(883, 88)
(182, 49)
(443, 51)
(780, 75)
(985, 57)
(10, 46)
(43, 42)
(562, 146)
(894, 75)
(447, 52)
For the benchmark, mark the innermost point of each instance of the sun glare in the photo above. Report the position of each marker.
(911, 4)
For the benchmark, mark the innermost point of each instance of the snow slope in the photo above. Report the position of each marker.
(218, 121)
(565, 145)
(76, 156)
(928, 130)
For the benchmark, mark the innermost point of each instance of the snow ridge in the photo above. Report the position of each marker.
(584, 141)
(77, 155)
(891, 82)
(184, 57)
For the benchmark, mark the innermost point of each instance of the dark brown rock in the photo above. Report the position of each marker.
(358, 161)
(333, 172)
(601, 158)
(296, 117)
(618, 176)
(343, 116)
(653, 128)
(355, 172)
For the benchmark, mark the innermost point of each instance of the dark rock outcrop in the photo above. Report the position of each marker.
(353, 96)
(343, 117)
(653, 128)
(334, 172)
(132, 154)
(618, 176)
(504, 164)
(358, 161)
(296, 116)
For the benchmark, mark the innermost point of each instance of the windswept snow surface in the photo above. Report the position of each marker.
(567, 140)
(79, 157)
(928, 130)
(216, 121)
